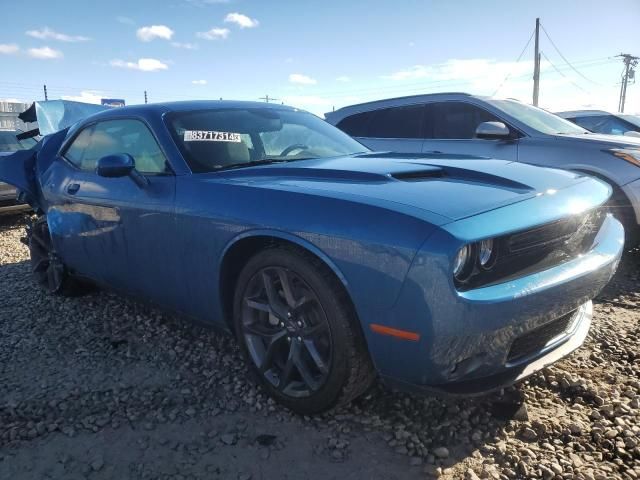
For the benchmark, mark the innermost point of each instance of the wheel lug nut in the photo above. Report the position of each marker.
(299, 339)
(299, 324)
(289, 314)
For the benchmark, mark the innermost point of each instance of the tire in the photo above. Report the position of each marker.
(620, 207)
(297, 329)
(47, 269)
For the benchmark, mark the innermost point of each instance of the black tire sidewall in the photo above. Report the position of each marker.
(337, 314)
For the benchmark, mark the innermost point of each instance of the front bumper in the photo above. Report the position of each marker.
(467, 338)
(632, 191)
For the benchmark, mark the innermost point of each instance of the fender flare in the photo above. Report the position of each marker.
(291, 238)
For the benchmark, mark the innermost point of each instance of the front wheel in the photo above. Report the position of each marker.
(297, 328)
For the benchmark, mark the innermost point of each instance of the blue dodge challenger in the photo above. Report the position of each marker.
(331, 263)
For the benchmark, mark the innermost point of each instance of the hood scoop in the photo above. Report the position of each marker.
(419, 175)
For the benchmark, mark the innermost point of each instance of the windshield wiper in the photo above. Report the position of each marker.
(252, 163)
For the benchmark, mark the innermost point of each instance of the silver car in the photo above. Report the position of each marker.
(9, 144)
(499, 128)
(598, 121)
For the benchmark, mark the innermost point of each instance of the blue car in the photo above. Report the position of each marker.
(332, 264)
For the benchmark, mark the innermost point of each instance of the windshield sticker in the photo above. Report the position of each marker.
(210, 136)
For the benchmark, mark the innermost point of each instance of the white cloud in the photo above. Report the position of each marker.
(199, 82)
(241, 20)
(86, 96)
(147, 34)
(186, 45)
(125, 20)
(301, 79)
(9, 48)
(44, 53)
(48, 34)
(214, 34)
(343, 79)
(143, 64)
(12, 100)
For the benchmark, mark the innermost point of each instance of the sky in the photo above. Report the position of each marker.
(317, 55)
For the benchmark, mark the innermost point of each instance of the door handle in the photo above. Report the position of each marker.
(73, 188)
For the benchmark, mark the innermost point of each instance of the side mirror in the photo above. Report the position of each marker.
(113, 166)
(120, 165)
(492, 131)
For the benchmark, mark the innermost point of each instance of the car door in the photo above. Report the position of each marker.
(450, 128)
(112, 229)
(396, 129)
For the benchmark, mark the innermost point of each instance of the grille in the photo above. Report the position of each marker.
(535, 340)
(568, 234)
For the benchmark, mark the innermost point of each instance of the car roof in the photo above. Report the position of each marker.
(583, 113)
(366, 106)
(185, 106)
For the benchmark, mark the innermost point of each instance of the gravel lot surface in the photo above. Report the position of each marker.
(103, 387)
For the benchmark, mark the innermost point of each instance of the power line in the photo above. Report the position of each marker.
(565, 58)
(517, 60)
(565, 76)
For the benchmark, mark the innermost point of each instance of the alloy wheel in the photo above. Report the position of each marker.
(286, 332)
(46, 267)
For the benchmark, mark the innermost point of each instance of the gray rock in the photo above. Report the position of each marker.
(441, 452)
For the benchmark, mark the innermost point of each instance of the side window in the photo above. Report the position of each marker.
(355, 125)
(604, 124)
(397, 122)
(455, 120)
(117, 136)
(75, 152)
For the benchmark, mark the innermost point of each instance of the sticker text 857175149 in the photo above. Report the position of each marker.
(210, 136)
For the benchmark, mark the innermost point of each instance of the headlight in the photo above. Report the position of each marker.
(631, 155)
(462, 263)
(485, 253)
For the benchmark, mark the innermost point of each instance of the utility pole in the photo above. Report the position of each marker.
(630, 62)
(145, 97)
(46, 97)
(536, 66)
(268, 99)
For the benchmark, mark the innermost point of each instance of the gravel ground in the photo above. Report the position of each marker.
(103, 387)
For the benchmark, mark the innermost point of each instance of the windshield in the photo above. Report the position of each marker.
(537, 118)
(9, 142)
(635, 119)
(216, 139)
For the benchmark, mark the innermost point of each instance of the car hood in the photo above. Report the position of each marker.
(449, 186)
(614, 141)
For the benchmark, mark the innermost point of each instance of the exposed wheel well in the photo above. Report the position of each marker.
(620, 205)
(237, 257)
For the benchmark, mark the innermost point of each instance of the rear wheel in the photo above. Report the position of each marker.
(298, 331)
(47, 268)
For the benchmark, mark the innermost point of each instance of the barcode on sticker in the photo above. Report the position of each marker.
(211, 136)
